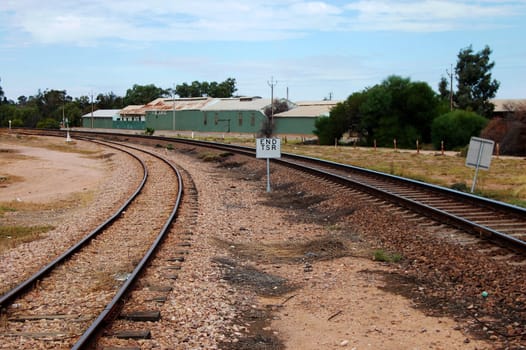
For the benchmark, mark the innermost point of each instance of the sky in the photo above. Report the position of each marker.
(303, 50)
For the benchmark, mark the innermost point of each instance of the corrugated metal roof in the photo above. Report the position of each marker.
(237, 104)
(102, 113)
(506, 105)
(167, 104)
(309, 109)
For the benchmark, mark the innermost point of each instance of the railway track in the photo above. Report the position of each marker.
(451, 214)
(65, 304)
(498, 222)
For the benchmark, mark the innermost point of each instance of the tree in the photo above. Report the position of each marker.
(510, 130)
(343, 117)
(398, 109)
(213, 89)
(456, 128)
(109, 101)
(324, 129)
(444, 89)
(2, 96)
(223, 90)
(142, 94)
(278, 106)
(475, 85)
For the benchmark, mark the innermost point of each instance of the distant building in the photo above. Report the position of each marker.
(101, 118)
(504, 107)
(301, 119)
(206, 114)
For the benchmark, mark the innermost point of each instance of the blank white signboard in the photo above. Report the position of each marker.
(479, 152)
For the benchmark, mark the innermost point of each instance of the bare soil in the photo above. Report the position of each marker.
(40, 174)
(319, 293)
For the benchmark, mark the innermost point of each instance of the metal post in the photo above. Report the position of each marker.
(92, 110)
(272, 83)
(173, 121)
(477, 167)
(268, 174)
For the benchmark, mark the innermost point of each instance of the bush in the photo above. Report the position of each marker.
(456, 128)
(48, 123)
(149, 131)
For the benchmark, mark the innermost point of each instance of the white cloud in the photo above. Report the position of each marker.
(90, 22)
(430, 15)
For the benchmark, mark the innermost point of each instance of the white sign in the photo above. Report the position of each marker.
(479, 153)
(268, 148)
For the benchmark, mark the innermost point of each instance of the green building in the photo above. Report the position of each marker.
(239, 115)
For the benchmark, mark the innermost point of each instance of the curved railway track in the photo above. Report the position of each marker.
(65, 304)
(492, 221)
(498, 222)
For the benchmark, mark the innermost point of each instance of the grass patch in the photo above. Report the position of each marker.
(214, 157)
(11, 236)
(384, 256)
(77, 199)
(505, 179)
(6, 209)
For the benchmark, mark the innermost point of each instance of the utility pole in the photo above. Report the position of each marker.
(173, 120)
(450, 74)
(92, 109)
(272, 83)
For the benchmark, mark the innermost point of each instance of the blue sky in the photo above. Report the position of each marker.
(313, 49)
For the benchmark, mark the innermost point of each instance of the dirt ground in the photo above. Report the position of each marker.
(40, 174)
(342, 303)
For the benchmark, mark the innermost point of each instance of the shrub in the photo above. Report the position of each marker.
(456, 128)
(48, 123)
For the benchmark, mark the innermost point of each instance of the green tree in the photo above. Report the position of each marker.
(398, 109)
(109, 101)
(456, 128)
(48, 123)
(444, 89)
(224, 89)
(324, 129)
(475, 85)
(142, 94)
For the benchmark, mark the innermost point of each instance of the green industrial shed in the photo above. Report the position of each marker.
(211, 115)
(100, 119)
(300, 120)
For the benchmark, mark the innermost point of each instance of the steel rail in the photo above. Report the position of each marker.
(441, 215)
(92, 332)
(8, 297)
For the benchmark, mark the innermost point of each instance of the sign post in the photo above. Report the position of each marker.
(479, 156)
(268, 148)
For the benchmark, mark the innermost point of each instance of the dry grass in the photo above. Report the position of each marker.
(504, 181)
(41, 142)
(74, 200)
(11, 236)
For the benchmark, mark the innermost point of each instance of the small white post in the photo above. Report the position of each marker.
(68, 138)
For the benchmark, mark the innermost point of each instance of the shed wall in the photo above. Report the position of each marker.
(295, 125)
